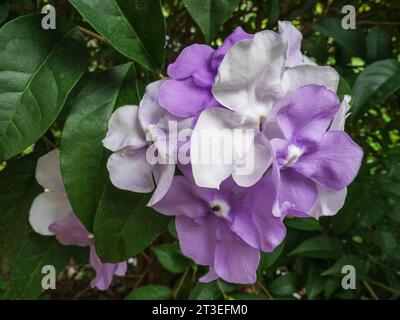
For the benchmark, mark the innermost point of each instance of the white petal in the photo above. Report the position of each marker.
(256, 162)
(129, 170)
(214, 144)
(48, 207)
(340, 117)
(150, 111)
(250, 74)
(328, 203)
(124, 129)
(163, 174)
(298, 76)
(48, 172)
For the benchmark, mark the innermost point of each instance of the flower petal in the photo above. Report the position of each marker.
(163, 175)
(104, 271)
(335, 163)
(48, 172)
(309, 113)
(192, 59)
(237, 35)
(129, 170)
(213, 145)
(298, 76)
(70, 232)
(48, 207)
(211, 275)
(235, 261)
(250, 74)
(255, 163)
(293, 37)
(197, 238)
(339, 120)
(328, 203)
(124, 130)
(184, 199)
(184, 98)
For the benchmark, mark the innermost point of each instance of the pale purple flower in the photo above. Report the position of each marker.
(253, 83)
(310, 160)
(224, 229)
(132, 130)
(188, 92)
(51, 214)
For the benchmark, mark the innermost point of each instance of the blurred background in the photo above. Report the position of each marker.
(365, 233)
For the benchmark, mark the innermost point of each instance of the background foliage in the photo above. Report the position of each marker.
(58, 89)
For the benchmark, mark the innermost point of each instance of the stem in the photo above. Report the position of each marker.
(383, 286)
(93, 34)
(265, 291)
(370, 290)
(178, 288)
(224, 295)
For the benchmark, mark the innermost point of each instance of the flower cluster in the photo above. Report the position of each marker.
(297, 159)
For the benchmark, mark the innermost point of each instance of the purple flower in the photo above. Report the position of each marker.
(308, 156)
(51, 214)
(224, 229)
(188, 92)
(133, 132)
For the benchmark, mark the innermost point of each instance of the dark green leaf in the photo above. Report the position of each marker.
(210, 14)
(4, 10)
(351, 40)
(36, 252)
(378, 44)
(268, 259)
(284, 286)
(134, 28)
(124, 225)
(343, 89)
(246, 296)
(82, 152)
(150, 292)
(171, 258)
(38, 69)
(323, 247)
(205, 291)
(315, 283)
(305, 224)
(18, 188)
(336, 269)
(378, 81)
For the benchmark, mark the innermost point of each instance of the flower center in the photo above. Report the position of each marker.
(220, 208)
(293, 155)
(261, 120)
(151, 133)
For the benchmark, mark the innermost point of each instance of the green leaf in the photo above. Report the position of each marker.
(124, 225)
(36, 252)
(304, 224)
(4, 11)
(135, 28)
(210, 14)
(343, 89)
(336, 269)
(315, 283)
(205, 291)
(271, 10)
(18, 188)
(150, 292)
(83, 156)
(171, 258)
(351, 40)
(246, 296)
(284, 285)
(377, 82)
(323, 247)
(378, 44)
(267, 260)
(38, 69)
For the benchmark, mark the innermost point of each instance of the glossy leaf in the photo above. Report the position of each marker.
(305, 224)
(378, 81)
(150, 292)
(171, 258)
(38, 68)
(319, 247)
(134, 28)
(210, 14)
(205, 291)
(378, 44)
(18, 188)
(124, 224)
(83, 156)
